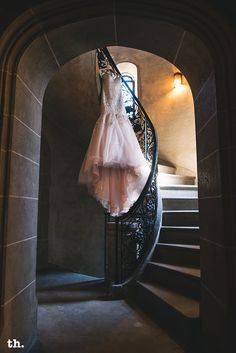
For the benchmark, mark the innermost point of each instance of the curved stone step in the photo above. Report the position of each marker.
(183, 306)
(177, 254)
(184, 203)
(180, 235)
(188, 271)
(177, 313)
(185, 280)
(166, 169)
(175, 179)
(180, 218)
(179, 191)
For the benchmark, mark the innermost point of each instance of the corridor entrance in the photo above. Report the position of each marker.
(33, 49)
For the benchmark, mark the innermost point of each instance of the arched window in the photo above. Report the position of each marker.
(129, 73)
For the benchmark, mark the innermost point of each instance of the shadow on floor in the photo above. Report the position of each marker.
(54, 277)
(56, 285)
(75, 316)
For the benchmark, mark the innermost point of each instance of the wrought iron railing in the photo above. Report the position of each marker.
(136, 231)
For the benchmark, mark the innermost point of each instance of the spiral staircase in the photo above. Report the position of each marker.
(169, 287)
(153, 251)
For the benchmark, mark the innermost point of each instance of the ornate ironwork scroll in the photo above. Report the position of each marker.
(136, 230)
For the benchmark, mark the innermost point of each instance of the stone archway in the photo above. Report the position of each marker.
(33, 48)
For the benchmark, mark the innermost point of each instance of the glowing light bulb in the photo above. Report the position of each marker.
(178, 79)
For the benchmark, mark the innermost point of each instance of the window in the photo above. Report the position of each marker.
(129, 74)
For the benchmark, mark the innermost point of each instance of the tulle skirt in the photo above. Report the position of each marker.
(114, 168)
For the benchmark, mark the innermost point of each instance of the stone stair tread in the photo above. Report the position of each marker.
(185, 305)
(180, 203)
(179, 198)
(179, 187)
(175, 179)
(163, 168)
(186, 246)
(181, 227)
(180, 235)
(179, 192)
(176, 176)
(180, 211)
(192, 271)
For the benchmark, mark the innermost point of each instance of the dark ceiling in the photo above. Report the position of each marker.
(9, 9)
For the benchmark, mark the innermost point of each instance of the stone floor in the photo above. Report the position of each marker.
(75, 316)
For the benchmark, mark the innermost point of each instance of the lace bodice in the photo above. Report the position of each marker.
(112, 100)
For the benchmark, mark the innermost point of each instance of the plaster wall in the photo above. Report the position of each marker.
(171, 111)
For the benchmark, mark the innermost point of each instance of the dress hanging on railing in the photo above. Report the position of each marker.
(114, 168)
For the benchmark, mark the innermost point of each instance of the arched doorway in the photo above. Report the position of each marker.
(33, 48)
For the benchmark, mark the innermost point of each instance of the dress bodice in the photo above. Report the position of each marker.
(112, 100)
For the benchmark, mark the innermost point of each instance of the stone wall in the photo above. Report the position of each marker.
(71, 223)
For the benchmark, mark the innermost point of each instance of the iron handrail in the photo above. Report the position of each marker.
(138, 229)
(155, 154)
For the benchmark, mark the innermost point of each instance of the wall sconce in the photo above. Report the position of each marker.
(178, 79)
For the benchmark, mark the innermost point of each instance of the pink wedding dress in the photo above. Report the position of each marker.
(114, 168)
